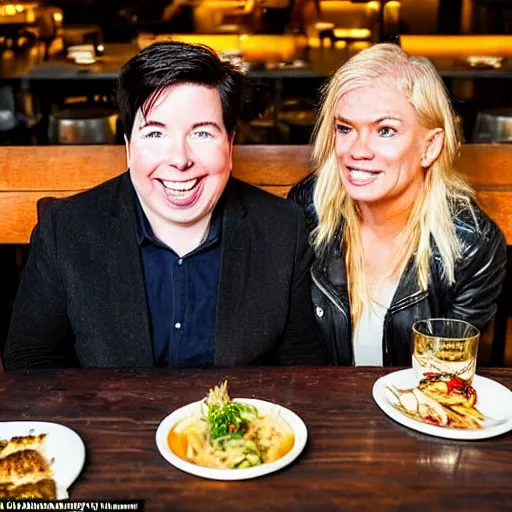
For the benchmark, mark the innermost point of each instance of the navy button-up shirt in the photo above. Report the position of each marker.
(182, 295)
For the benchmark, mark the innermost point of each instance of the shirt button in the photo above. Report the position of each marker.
(177, 325)
(319, 312)
(180, 261)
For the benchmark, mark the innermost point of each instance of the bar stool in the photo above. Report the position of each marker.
(325, 31)
(299, 124)
(297, 119)
(493, 125)
(7, 109)
(229, 28)
(83, 126)
(261, 131)
(19, 117)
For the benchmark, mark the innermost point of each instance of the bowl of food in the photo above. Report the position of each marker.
(231, 439)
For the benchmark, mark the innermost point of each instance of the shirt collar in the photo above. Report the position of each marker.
(144, 231)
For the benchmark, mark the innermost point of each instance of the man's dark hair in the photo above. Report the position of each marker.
(165, 64)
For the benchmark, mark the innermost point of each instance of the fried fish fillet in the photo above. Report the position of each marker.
(449, 390)
(24, 467)
(44, 489)
(456, 396)
(17, 444)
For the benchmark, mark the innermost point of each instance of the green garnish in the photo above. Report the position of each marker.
(226, 418)
(228, 423)
(229, 419)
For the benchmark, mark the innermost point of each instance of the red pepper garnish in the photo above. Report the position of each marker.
(232, 428)
(432, 420)
(455, 383)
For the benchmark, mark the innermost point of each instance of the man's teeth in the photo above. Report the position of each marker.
(180, 188)
(359, 175)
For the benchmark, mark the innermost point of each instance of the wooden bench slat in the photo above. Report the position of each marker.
(82, 167)
(18, 214)
(18, 211)
(498, 205)
(29, 173)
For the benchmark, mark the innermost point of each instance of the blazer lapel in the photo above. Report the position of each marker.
(235, 250)
(126, 288)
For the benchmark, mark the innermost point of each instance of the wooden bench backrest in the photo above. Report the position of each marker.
(29, 173)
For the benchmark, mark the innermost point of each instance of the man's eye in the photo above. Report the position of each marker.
(387, 131)
(201, 135)
(341, 128)
(153, 135)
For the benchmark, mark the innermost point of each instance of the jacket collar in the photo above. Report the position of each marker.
(330, 268)
(145, 233)
(408, 287)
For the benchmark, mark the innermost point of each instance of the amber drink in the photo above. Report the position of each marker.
(445, 346)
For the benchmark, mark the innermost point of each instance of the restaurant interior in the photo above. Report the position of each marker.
(60, 134)
(59, 60)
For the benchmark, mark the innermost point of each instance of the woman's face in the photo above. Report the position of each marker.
(381, 147)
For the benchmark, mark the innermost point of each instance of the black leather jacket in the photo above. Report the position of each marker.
(479, 274)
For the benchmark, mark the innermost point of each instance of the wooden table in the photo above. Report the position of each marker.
(356, 457)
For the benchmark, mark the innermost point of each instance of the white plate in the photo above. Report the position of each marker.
(62, 444)
(494, 402)
(298, 426)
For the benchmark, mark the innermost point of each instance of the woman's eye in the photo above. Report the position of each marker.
(201, 135)
(387, 131)
(153, 135)
(341, 128)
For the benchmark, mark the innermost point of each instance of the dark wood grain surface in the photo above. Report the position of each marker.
(356, 457)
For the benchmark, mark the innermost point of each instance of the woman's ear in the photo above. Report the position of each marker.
(433, 146)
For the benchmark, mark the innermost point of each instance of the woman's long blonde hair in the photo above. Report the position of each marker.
(431, 217)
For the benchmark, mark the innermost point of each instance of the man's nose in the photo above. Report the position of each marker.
(179, 155)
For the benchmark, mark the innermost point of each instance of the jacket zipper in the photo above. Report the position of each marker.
(408, 301)
(399, 306)
(336, 304)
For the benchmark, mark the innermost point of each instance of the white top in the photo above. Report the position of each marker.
(368, 334)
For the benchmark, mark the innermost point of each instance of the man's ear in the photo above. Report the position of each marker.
(434, 143)
(232, 148)
(127, 148)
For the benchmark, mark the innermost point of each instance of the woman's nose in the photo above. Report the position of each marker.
(361, 148)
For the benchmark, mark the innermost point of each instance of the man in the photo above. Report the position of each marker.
(174, 263)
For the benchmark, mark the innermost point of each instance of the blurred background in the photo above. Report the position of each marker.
(59, 59)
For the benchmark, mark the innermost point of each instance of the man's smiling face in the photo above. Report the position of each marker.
(180, 155)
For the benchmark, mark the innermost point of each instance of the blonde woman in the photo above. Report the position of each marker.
(397, 234)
